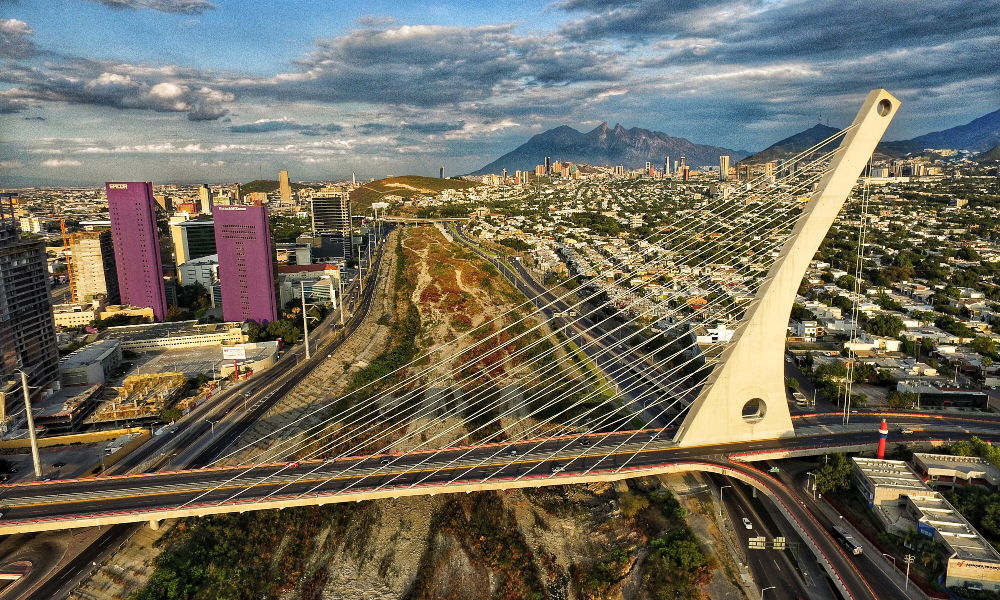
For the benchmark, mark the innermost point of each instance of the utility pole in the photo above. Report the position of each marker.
(31, 426)
(908, 559)
(305, 317)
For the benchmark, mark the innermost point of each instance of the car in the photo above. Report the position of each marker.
(584, 442)
(293, 464)
(556, 469)
(384, 461)
(788, 359)
(652, 435)
(747, 523)
(173, 430)
(513, 452)
(905, 431)
(58, 464)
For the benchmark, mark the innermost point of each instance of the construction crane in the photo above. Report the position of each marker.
(69, 269)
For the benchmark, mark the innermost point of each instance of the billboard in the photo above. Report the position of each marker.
(234, 352)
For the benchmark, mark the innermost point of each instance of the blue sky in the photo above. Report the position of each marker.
(189, 90)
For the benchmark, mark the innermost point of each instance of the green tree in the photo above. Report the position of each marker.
(169, 415)
(285, 330)
(884, 325)
(835, 476)
(631, 505)
(792, 383)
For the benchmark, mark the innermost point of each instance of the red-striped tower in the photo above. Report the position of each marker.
(883, 433)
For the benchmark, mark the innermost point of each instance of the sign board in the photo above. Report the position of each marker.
(757, 543)
(779, 543)
(234, 352)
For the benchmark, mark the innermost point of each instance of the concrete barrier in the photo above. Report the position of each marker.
(74, 438)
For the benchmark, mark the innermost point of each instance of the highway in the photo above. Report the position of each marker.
(644, 386)
(770, 568)
(57, 504)
(268, 388)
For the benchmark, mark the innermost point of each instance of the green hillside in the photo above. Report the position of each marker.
(266, 185)
(406, 186)
(990, 155)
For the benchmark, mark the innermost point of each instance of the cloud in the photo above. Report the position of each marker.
(57, 162)
(15, 39)
(285, 124)
(116, 85)
(184, 7)
(434, 127)
(10, 105)
(375, 21)
(11, 164)
(432, 65)
(35, 118)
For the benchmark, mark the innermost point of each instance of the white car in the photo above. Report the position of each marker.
(747, 524)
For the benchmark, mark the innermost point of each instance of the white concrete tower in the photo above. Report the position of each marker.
(744, 398)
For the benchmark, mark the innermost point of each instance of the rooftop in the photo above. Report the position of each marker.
(152, 331)
(964, 467)
(90, 354)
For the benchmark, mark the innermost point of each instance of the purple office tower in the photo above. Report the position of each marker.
(246, 263)
(137, 245)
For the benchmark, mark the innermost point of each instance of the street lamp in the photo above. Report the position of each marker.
(720, 497)
(813, 487)
(31, 424)
(891, 557)
(764, 590)
(212, 423)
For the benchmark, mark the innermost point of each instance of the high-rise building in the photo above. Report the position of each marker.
(192, 239)
(284, 188)
(165, 202)
(331, 215)
(93, 267)
(666, 167)
(548, 165)
(27, 328)
(723, 168)
(246, 264)
(441, 176)
(236, 192)
(137, 245)
(205, 199)
(683, 161)
(504, 176)
(685, 172)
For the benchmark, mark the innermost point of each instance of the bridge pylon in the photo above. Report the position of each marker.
(744, 397)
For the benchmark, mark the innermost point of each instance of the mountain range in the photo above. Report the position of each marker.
(607, 146)
(980, 135)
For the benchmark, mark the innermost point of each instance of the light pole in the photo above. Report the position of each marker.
(212, 423)
(810, 474)
(720, 497)
(31, 424)
(890, 557)
(764, 590)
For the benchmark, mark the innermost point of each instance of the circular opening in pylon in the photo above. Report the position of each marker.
(753, 410)
(884, 107)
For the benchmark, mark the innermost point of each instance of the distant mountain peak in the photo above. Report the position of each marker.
(604, 146)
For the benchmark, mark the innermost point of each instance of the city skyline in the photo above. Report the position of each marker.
(231, 89)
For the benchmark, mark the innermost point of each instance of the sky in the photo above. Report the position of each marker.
(226, 90)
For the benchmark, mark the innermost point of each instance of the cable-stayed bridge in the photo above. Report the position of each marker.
(518, 403)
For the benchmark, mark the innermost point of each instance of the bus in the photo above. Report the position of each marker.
(845, 539)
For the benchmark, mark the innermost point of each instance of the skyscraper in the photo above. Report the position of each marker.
(246, 263)
(331, 215)
(137, 245)
(548, 166)
(192, 239)
(27, 329)
(666, 167)
(205, 199)
(93, 266)
(285, 188)
(723, 168)
(441, 176)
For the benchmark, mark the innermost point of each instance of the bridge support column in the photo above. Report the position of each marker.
(154, 524)
(744, 397)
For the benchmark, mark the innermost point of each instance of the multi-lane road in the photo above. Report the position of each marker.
(231, 422)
